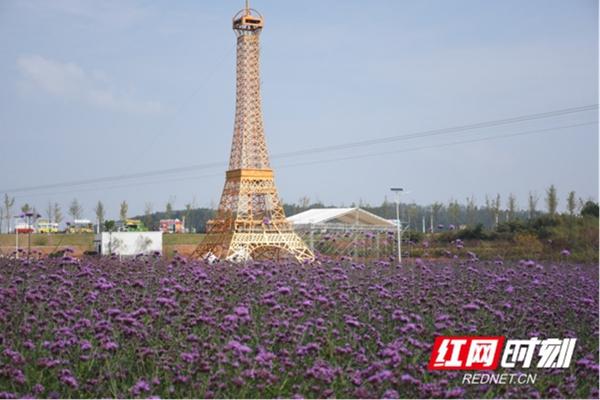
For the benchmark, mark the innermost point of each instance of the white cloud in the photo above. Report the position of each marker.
(70, 81)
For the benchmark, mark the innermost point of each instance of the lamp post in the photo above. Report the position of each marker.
(398, 192)
(16, 238)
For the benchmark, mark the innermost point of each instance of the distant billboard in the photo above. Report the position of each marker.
(128, 243)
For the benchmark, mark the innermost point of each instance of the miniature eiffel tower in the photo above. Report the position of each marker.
(250, 222)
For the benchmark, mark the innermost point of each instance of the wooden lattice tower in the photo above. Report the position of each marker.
(250, 222)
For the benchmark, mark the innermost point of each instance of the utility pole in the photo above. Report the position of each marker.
(29, 216)
(431, 220)
(398, 191)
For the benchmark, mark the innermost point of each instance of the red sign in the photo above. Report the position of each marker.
(467, 353)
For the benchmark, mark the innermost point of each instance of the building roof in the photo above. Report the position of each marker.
(348, 216)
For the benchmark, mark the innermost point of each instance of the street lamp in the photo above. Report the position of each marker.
(16, 237)
(398, 192)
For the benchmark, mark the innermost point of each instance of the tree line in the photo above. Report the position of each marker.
(434, 217)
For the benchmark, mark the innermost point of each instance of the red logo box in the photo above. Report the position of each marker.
(468, 353)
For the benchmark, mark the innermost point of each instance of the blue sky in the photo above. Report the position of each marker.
(94, 89)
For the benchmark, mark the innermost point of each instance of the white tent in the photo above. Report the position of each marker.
(350, 232)
(339, 216)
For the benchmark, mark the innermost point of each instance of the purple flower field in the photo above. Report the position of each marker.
(155, 328)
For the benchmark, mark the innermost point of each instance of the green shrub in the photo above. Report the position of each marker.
(590, 209)
(415, 236)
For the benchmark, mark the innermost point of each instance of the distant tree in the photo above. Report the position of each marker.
(580, 205)
(99, 210)
(412, 212)
(26, 208)
(532, 204)
(75, 209)
(489, 209)
(590, 209)
(8, 204)
(50, 212)
(148, 215)
(496, 206)
(123, 210)
(1, 218)
(388, 210)
(169, 210)
(435, 210)
(109, 225)
(304, 202)
(551, 200)
(58, 217)
(454, 211)
(511, 206)
(471, 210)
(187, 215)
(571, 203)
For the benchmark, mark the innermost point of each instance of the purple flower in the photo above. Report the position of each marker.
(139, 387)
(390, 394)
(110, 346)
(408, 378)
(330, 328)
(241, 311)
(68, 379)
(264, 357)
(192, 338)
(15, 357)
(380, 377)
(189, 357)
(352, 322)
(238, 347)
(113, 312)
(455, 393)
(38, 389)
(470, 307)
(85, 345)
(322, 371)
(284, 290)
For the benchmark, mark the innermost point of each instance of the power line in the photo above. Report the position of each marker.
(204, 81)
(484, 139)
(405, 150)
(322, 149)
(443, 131)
